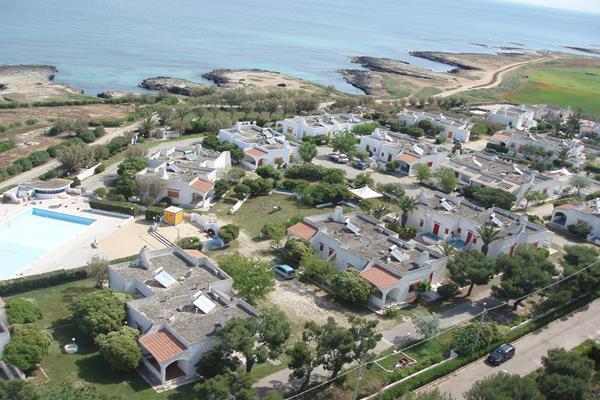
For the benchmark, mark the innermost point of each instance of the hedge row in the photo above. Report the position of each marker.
(116, 206)
(452, 365)
(152, 212)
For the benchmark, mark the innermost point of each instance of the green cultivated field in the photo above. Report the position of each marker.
(575, 87)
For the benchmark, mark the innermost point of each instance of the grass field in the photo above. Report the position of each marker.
(575, 87)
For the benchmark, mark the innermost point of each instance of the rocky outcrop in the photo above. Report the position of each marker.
(115, 94)
(366, 81)
(172, 85)
(218, 77)
(443, 58)
(390, 66)
(584, 49)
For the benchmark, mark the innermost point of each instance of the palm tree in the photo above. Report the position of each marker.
(488, 234)
(407, 205)
(147, 126)
(379, 211)
(563, 155)
(446, 248)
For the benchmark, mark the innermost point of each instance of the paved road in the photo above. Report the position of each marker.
(566, 332)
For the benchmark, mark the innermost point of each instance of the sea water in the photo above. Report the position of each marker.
(114, 44)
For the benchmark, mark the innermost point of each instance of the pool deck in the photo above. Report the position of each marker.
(77, 251)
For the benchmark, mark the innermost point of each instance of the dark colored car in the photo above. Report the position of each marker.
(360, 165)
(501, 354)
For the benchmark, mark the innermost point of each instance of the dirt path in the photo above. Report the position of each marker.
(492, 78)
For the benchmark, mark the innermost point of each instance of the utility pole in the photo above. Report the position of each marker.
(483, 314)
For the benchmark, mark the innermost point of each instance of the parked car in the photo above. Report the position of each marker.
(284, 271)
(334, 156)
(360, 165)
(343, 159)
(501, 354)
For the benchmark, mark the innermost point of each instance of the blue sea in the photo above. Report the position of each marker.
(114, 44)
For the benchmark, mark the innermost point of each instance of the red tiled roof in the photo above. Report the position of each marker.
(203, 186)
(162, 345)
(256, 153)
(407, 158)
(195, 253)
(567, 206)
(303, 230)
(501, 137)
(379, 276)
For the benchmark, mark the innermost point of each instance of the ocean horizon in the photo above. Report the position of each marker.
(100, 45)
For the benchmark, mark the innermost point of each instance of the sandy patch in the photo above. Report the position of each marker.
(27, 83)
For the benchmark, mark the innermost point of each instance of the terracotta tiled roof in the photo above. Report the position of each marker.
(162, 345)
(567, 206)
(379, 276)
(407, 158)
(302, 229)
(256, 153)
(501, 137)
(195, 253)
(203, 186)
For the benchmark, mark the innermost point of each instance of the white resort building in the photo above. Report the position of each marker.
(571, 214)
(261, 146)
(319, 125)
(439, 217)
(454, 129)
(487, 171)
(386, 146)
(180, 299)
(393, 266)
(516, 117)
(528, 145)
(186, 175)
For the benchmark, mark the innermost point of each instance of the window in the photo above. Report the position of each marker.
(512, 145)
(421, 223)
(368, 147)
(413, 286)
(459, 230)
(321, 246)
(389, 157)
(331, 251)
(174, 194)
(290, 130)
(278, 160)
(474, 240)
(348, 266)
(430, 163)
(446, 231)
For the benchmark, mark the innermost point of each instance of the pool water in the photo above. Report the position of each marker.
(28, 236)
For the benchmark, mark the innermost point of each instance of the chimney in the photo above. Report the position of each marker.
(238, 127)
(423, 259)
(337, 215)
(163, 173)
(198, 149)
(143, 259)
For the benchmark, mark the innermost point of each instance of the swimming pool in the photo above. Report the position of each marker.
(28, 236)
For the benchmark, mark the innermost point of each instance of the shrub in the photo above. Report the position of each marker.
(22, 311)
(76, 182)
(543, 251)
(27, 347)
(99, 312)
(497, 147)
(27, 283)
(229, 232)
(6, 145)
(100, 168)
(294, 250)
(593, 195)
(152, 212)
(39, 157)
(190, 243)
(350, 286)
(406, 232)
(87, 136)
(449, 289)
(580, 229)
(99, 132)
(120, 348)
(489, 197)
(115, 206)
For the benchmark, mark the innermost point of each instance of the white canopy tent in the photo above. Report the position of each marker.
(366, 192)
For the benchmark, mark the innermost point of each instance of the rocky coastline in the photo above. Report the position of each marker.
(443, 58)
(34, 82)
(182, 87)
(583, 49)
(364, 80)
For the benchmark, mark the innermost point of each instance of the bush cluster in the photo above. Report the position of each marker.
(116, 206)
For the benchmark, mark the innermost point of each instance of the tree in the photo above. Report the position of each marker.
(432, 395)
(365, 336)
(147, 126)
(268, 171)
(427, 325)
(120, 348)
(447, 180)
(393, 189)
(27, 347)
(275, 232)
(580, 229)
(253, 278)
(566, 375)
(575, 259)
(302, 359)
(464, 338)
(423, 172)
(308, 151)
(317, 269)
(22, 311)
(535, 196)
(407, 204)
(241, 191)
(18, 389)
(363, 179)
(523, 273)
(236, 386)
(350, 286)
(344, 142)
(471, 268)
(97, 268)
(75, 157)
(100, 311)
(229, 232)
(379, 210)
(503, 386)
(236, 174)
(221, 187)
(579, 182)
(490, 197)
(488, 235)
(256, 338)
(294, 250)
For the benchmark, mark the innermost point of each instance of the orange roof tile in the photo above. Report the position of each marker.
(203, 186)
(195, 253)
(256, 153)
(501, 137)
(162, 345)
(379, 276)
(567, 206)
(302, 229)
(407, 158)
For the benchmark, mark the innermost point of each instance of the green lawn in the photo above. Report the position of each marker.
(259, 210)
(575, 87)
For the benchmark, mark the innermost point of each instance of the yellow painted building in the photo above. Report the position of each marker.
(173, 215)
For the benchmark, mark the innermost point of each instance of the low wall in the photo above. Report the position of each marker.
(86, 173)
